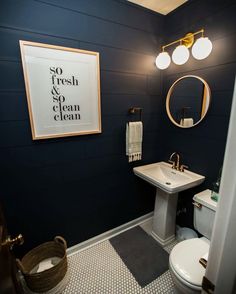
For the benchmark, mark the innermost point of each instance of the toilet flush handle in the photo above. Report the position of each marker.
(203, 262)
(198, 205)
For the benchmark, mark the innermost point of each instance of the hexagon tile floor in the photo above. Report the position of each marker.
(100, 270)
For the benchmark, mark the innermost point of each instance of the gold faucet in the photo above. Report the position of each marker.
(175, 163)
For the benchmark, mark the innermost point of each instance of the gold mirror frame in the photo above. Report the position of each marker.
(208, 95)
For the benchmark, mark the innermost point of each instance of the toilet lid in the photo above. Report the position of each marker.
(184, 259)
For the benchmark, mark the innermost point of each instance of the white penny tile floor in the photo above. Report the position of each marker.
(100, 270)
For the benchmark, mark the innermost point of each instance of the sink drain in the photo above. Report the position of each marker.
(168, 183)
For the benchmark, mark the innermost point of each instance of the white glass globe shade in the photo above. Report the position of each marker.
(163, 60)
(180, 55)
(202, 48)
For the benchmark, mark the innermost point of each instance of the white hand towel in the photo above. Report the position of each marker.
(134, 138)
(44, 265)
(186, 122)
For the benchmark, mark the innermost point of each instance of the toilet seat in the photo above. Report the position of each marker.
(184, 261)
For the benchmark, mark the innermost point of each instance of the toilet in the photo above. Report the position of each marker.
(186, 271)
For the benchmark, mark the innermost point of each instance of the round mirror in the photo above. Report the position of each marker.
(188, 101)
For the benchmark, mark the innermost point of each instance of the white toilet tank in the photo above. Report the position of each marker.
(204, 213)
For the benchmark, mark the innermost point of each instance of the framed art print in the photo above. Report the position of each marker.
(63, 90)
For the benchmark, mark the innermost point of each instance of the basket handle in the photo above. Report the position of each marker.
(61, 240)
(20, 266)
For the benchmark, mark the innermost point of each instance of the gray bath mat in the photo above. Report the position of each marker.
(143, 256)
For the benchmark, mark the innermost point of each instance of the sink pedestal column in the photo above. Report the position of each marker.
(163, 227)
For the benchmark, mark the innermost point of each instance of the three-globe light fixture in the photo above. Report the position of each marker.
(200, 50)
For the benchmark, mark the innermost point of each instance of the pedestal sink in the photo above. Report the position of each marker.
(168, 182)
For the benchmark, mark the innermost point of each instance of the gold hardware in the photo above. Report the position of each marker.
(175, 164)
(198, 205)
(187, 40)
(203, 262)
(182, 167)
(208, 286)
(19, 240)
(134, 110)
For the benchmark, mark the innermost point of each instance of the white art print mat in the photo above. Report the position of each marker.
(63, 90)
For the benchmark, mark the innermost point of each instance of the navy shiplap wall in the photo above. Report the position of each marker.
(80, 186)
(202, 147)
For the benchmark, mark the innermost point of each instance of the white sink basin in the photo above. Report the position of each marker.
(161, 175)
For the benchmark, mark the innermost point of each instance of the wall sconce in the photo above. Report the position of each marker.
(200, 50)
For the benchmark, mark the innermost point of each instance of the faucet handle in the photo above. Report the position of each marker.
(182, 167)
(173, 163)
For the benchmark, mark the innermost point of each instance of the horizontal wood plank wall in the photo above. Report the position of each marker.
(202, 147)
(82, 186)
(78, 187)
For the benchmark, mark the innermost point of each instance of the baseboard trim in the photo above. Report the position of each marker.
(109, 234)
(163, 242)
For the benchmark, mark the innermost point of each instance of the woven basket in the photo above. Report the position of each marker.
(49, 278)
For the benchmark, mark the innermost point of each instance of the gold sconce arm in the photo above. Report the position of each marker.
(187, 40)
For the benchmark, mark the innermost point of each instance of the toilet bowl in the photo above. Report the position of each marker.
(184, 265)
(186, 271)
